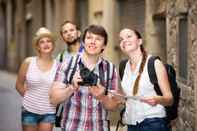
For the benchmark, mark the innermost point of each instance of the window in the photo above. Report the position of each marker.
(160, 46)
(182, 47)
(81, 16)
(3, 36)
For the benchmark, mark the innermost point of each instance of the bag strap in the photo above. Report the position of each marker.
(101, 74)
(152, 73)
(67, 70)
(61, 56)
(110, 71)
(74, 68)
(121, 118)
(71, 69)
(122, 68)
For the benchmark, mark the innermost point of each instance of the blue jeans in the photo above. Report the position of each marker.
(29, 118)
(150, 124)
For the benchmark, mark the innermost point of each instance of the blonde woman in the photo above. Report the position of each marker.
(35, 77)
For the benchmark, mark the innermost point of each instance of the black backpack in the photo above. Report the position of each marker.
(103, 76)
(171, 111)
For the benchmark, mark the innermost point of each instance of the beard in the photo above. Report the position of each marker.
(73, 42)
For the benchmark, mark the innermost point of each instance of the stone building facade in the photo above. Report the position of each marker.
(169, 29)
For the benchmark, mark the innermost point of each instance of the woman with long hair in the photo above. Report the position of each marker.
(146, 112)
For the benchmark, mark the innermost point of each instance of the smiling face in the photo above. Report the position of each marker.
(45, 45)
(129, 41)
(93, 43)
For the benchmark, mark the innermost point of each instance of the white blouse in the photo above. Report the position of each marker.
(136, 110)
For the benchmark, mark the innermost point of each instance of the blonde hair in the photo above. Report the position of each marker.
(42, 32)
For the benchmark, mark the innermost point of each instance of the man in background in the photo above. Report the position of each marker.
(70, 33)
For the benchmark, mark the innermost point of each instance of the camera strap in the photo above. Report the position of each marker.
(101, 74)
(67, 70)
(110, 74)
(105, 76)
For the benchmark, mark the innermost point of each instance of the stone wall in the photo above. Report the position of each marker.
(187, 110)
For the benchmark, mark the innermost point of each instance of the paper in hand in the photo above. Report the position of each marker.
(124, 96)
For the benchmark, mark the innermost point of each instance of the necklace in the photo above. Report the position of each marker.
(135, 59)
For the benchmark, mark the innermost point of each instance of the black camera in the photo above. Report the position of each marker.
(89, 78)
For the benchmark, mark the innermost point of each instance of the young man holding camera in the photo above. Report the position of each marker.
(86, 95)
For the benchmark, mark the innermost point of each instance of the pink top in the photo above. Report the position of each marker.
(36, 98)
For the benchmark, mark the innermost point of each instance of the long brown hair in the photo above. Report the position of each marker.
(144, 57)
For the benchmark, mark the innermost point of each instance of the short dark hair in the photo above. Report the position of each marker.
(66, 22)
(98, 30)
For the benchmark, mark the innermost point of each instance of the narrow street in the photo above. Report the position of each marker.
(10, 104)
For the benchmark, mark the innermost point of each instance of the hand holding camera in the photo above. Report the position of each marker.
(88, 78)
(76, 79)
(97, 91)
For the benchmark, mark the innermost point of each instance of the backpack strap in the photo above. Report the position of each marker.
(74, 68)
(61, 56)
(101, 74)
(152, 73)
(67, 70)
(71, 68)
(122, 67)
